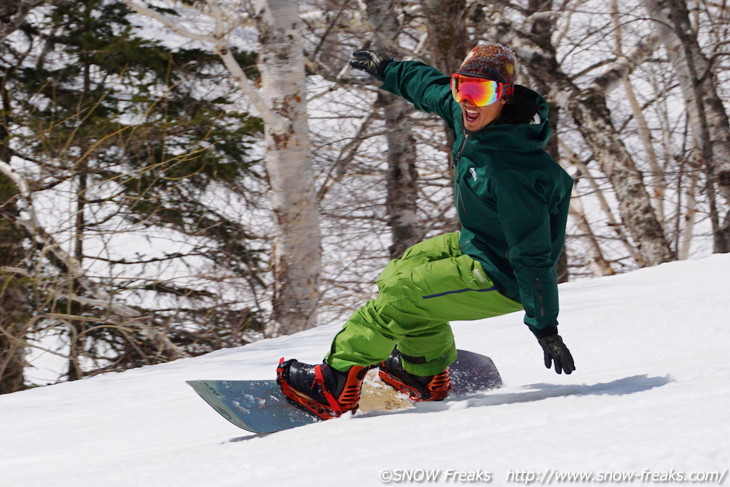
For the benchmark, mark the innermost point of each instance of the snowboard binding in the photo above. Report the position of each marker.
(417, 387)
(323, 391)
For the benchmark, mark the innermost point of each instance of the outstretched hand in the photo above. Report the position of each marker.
(372, 62)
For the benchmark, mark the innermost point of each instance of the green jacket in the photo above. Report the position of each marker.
(512, 198)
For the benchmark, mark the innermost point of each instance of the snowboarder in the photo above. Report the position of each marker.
(512, 201)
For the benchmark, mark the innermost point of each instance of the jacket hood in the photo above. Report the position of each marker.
(520, 137)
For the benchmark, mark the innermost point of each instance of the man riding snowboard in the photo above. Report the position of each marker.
(512, 199)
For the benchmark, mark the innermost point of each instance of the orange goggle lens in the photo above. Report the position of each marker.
(479, 91)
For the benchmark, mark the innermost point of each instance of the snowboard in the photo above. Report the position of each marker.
(260, 407)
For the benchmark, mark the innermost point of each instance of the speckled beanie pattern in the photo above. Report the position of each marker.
(493, 61)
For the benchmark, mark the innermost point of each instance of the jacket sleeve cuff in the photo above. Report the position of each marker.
(543, 332)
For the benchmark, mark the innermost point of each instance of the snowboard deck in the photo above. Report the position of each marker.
(260, 407)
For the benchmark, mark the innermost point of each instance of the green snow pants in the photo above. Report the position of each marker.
(431, 284)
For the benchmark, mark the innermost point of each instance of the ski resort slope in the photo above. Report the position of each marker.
(649, 404)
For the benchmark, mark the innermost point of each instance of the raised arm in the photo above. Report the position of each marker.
(424, 86)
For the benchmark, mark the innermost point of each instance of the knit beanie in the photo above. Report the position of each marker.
(493, 61)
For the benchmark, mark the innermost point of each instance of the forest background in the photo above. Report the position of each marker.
(182, 176)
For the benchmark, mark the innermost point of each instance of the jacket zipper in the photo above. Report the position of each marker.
(455, 163)
(539, 297)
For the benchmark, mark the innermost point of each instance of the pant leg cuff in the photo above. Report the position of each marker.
(429, 367)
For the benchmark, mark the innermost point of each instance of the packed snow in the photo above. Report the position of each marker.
(649, 404)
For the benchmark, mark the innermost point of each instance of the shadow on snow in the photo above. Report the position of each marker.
(539, 392)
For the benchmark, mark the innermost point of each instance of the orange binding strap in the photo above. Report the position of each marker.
(319, 379)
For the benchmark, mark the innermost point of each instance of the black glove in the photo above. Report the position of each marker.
(371, 62)
(557, 353)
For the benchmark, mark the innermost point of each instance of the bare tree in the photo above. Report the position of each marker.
(707, 115)
(447, 43)
(589, 110)
(446, 26)
(13, 14)
(401, 176)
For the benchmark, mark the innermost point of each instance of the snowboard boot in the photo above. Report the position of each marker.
(418, 387)
(320, 389)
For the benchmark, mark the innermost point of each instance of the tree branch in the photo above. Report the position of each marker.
(96, 295)
(625, 65)
(169, 23)
(222, 47)
(17, 18)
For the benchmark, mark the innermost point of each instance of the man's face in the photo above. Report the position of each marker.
(476, 118)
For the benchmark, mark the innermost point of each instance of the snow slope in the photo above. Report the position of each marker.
(651, 397)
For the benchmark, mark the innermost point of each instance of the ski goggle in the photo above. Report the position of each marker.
(479, 91)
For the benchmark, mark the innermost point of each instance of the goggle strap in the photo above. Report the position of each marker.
(506, 89)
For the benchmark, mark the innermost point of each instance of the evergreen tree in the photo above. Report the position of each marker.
(142, 139)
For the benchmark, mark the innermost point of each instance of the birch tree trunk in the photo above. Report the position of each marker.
(658, 183)
(447, 39)
(296, 259)
(296, 254)
(591, 114)
(687, 217)
(707, 115)
(401, 183)
(402, 176)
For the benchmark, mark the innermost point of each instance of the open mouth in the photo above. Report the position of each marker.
(470, 115)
